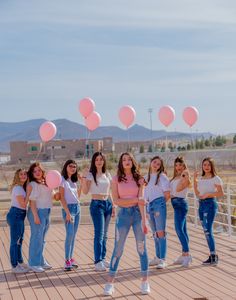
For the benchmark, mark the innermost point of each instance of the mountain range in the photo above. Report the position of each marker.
(29, 131)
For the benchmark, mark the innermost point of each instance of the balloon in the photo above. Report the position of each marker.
(166, 115)
(53, 179)
(47, 131)
(93, 121)
(127, 115)
(86, 106)
(190, 115)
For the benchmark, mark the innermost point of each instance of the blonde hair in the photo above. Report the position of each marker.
(16, 180)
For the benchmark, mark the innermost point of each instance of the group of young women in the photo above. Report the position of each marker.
(135, 200)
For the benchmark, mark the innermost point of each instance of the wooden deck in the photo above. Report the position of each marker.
(196, 282)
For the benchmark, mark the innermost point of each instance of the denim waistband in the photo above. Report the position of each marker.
(17, 209)
(157, 199)
(207, 199)
(100, 200)
(73, 204)
(179, 198)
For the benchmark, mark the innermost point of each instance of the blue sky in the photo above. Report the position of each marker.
(143, 53)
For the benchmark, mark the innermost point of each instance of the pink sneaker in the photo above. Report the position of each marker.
(68, 265)
(73, 263)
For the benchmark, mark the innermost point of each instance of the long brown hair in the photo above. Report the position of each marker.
(161, 170)
(16, 180)
(134, 170)
(93, 168)
(31, 172)
(179, 159)
(212, 163)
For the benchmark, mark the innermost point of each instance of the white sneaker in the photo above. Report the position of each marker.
(24, 266)
(100, 266)
(187, 260)
(178, 261)
(162, 264)
(155, 261)
(37, 269)
(109, 289)
(106, 263)
(18, 269)
(46, 266)
(145, 288)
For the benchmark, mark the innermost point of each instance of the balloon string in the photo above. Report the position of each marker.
(128, 137)
(194, 149)
(40, 150)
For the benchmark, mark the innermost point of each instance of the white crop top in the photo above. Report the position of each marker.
(153, 191)
(41, 194)
(17, 191)
(103, 184)
(207, 185)
(173, 187)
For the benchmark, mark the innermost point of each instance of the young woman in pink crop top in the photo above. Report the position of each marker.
(127, 192)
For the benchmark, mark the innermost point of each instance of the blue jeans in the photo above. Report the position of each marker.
(37, 237)
(157, 220)
(71, 229)
(180, 206)
(126, 218)
(207, 212)
(15, 219)
(100, 211)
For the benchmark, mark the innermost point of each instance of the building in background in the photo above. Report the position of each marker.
(27, 151)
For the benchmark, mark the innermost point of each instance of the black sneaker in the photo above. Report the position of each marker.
(212, 260)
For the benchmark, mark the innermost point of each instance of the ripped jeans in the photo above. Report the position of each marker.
(157, 219)
(126, 218)
(207, 212)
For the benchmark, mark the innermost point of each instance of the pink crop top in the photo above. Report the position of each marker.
(126, 189)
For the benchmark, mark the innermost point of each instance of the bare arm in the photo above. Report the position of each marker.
(142, 208)
(167, 195)
(196, 191)
(64, 204)
(184, 182)
(22, 201)
(32, 204)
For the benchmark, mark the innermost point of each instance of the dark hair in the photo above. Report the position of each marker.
(135, 170)
(31, 172)
(162, 169)
(74, 177)
(93, 168)
(212, 163)
(179, 159)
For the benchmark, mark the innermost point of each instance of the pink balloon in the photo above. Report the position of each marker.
(86, 106)
(53, 179)
(127, 115)
(93, 121)
(47, 131)
(166, 115)
(190, 115)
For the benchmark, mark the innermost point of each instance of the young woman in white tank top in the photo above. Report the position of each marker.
(207, 188)
(97, 182)
(179, 185)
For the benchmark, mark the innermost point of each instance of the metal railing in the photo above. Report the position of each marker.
(225, 220)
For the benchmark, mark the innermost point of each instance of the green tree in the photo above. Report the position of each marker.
(234, 139)
(150, 148)
(141, 149)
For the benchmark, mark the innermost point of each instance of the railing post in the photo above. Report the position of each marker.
(195, 210)
(229, 210)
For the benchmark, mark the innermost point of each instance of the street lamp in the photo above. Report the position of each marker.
(150, 110)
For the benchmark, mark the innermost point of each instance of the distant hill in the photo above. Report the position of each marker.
(28, 130)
